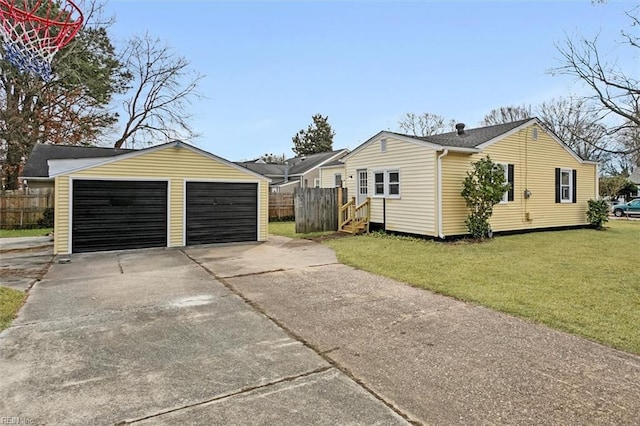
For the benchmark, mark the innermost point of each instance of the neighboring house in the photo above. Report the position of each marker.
(169, 195)
(297, 172)
(35, 173)
(415, 182)
(635, 178)
(332, 175)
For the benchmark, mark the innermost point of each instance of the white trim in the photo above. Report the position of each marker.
(328, 160)
(570, 185)
(335, 166)
(501, 136)
(283, 184)
(439, 178)
(184, 212)
(505, 196)
(80, 164)
(222, 180)
(596, 195)
(359, 187)
(341, 180)
(259, 211)
(122, 179)
(58, 166)
(385, 183)
(408, 139)
(48, 179)
(70, 218)
(169, 213)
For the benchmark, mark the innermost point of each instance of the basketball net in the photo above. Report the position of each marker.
(33, 32)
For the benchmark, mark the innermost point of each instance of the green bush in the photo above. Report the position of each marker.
(598, 213)
(482, 189)
(46, 221)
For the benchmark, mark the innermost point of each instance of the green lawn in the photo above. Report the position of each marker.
(288, 229)
(10, 302)
(11, 233)
(585, 282)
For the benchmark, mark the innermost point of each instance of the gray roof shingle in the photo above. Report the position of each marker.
(263, 168)
(471, 138)
(37, 162)
(297, 165)
(302, 164)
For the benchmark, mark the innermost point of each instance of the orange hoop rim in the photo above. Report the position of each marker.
(68, 19)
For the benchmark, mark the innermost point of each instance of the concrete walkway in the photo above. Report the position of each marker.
(437, 360)
(151, 337)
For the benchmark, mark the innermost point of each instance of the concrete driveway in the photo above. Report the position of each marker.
(152, 337)
(435, 359)
(23, 261)
(280, 333)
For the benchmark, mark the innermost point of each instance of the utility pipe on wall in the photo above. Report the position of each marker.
(440, 157)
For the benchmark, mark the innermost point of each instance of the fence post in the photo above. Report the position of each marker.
(339, 200)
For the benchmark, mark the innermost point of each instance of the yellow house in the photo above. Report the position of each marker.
(169, 195)
(415, 182)
(333, 175)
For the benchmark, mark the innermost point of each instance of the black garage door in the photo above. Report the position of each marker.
(116, 215)
(221, 212)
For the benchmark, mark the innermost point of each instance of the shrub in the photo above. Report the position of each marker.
(483, 188)
(46, 221)
(598, 213)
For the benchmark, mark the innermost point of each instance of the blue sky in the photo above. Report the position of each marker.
(271, 65)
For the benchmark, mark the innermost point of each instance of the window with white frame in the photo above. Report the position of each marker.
(378, 184)
(337, 180)
(509, 195)
(316, 182)
(393, 183)
(387, 183)
(566, 185)
(505, 196)
(566, 189)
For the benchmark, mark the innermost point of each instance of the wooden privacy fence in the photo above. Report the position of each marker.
(281, 206)
(317, 209)
(23, 210)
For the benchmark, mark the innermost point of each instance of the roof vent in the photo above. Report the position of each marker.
(460, 128)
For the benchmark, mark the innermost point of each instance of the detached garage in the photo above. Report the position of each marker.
(169, 195)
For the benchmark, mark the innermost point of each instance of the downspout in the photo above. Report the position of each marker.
(596, 196)
(440, 157)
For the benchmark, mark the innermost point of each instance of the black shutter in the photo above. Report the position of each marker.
(557, 185)
(575, 186)
(511, 194)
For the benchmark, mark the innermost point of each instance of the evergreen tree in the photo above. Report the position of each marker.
(70, 109)
(317, 138)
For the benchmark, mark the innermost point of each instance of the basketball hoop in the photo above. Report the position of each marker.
(32, 32)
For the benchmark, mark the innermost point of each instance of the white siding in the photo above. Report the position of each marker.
(415, 211)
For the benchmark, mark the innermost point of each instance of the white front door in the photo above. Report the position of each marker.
(362, 186)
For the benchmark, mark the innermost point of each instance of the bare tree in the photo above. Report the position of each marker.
(506, 114)
(575, 122)
(161, 90)
(615, 89)
(425, 124)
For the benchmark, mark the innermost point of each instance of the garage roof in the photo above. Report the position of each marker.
(61, 165)
(37, 166)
